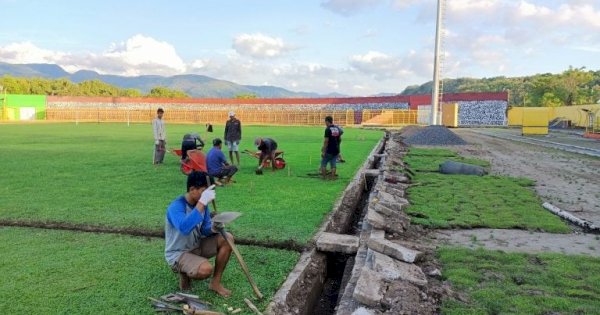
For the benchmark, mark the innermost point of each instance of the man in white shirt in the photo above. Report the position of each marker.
(160, 136)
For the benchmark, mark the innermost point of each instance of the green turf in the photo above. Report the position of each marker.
(61, 272)
(429, 159)
(507, 283)
(450, 201)
(103, 174)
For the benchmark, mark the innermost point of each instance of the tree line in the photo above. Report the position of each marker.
(64, 87)
(575, 86)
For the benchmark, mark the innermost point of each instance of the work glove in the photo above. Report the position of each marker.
(208, 195)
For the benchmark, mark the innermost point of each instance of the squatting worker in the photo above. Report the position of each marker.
(191, 238)
(233, 136)
(331, 147)
(217, 164)
(267, 148)
(160, 136)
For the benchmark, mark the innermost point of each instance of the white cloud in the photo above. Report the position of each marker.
(145, 52)
(349, 7)
(380, 65)
(26, 52)
(138, 55)
(260, 46)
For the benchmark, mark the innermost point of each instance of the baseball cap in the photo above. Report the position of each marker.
(231, 114)
(217, 141)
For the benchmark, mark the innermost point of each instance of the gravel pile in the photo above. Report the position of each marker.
(434, 135)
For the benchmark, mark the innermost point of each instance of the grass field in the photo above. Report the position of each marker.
(507, 283)
(450, 201)
(63, 272)
(102, 174)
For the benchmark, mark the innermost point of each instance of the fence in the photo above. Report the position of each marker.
(259, 117)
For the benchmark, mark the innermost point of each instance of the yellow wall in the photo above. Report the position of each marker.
(572, 113)
(450, 115)
(535, 120)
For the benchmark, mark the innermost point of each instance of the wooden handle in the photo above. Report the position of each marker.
(252, 306)
(242, 264)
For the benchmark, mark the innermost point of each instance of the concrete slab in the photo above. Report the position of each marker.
(369, 288)
(363, 311)
(393, 269)
(337, 243)
(394, 250)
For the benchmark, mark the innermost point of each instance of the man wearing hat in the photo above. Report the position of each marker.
(217, 164)
(233, 136)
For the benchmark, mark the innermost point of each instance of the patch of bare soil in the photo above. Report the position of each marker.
(567, 180)
(522, 241)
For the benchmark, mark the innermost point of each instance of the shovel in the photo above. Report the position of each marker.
(227, 217)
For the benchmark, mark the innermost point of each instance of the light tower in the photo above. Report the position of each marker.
(435, 93)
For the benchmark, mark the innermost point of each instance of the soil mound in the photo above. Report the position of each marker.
(434, 135)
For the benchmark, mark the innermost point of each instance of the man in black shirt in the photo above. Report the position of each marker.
(331, 147)
(267, 147)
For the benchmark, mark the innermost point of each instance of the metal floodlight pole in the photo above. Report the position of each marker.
(435, 94)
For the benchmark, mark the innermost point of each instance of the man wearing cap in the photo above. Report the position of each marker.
(217, 164)
(160, 136)
(191, 238)
(233, 136)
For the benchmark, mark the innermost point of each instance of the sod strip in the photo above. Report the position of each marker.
(495, 282)
(48, 272)
(66, 226)
(466, 201)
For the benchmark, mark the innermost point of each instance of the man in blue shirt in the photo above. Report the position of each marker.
(217, 164)
(190, 238)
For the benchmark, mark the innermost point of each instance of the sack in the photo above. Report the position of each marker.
(451, 167)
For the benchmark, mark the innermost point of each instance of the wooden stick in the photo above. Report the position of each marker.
(242, 264)
(252, 306)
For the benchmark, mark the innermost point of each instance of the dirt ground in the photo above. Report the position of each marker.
(522, 241)
(567, 180)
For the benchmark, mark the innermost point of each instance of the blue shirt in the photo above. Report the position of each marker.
(214, 161)
(184, 228)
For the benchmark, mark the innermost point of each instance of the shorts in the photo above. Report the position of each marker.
(226, 171)
(329, 158)
(189, 262)
(233, 145)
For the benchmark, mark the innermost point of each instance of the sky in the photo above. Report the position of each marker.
(353, 47)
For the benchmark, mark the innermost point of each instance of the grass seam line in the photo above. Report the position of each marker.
(289, 245)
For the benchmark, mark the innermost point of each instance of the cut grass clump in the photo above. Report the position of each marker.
(511, 283)
(463, 201)
(49, 272)
(102, 174)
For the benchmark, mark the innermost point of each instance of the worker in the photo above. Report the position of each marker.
(331, 148)
(217, 164)
(233, 136)
(191, 141)
(160, 137)
(191, 238)
(267, 148)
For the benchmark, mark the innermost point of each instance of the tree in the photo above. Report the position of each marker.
(246, 96)
(161, 91)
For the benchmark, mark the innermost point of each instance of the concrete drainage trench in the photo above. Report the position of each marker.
(358, 265)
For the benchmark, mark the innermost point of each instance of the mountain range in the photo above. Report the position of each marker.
(192, 84)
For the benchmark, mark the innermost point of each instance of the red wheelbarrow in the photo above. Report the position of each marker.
(195, 161)
(279, 161)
